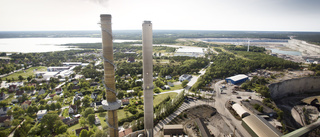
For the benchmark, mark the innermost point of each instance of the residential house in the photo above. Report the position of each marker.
(75, 81)
(58, 91)
(42, 91)
(2, 96)
(185, 77)
(97, 120)
(41, 113)
(19, 93)
(52, 95)
(78, 131)
(33, 92)
(125, 102)
(25, 104)
(5, 121)
(73, 109)
(168, 77)
(76, 98)
(12, 88)
(76, 87)
(68, 121)
(131, 59)
(3, 110)
(94, 84)
(51, 102)
(94, 96)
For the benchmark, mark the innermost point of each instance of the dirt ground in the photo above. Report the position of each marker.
(213, 120)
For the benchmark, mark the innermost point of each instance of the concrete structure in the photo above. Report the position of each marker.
(294, 86)
(111, 104)
(147, 77)
(259, 127)
(240, 111)
(237, 79)
(57, 68)
(173, 130)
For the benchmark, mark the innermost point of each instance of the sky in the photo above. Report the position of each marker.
(242, 15)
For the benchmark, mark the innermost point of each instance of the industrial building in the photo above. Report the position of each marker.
(237, 79)
(190, 52)
(173, 130)
(259, 127)
(240, 110)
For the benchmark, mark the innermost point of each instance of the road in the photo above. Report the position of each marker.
(221, 100)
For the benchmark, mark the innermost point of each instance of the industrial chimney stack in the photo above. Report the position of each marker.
(111, 104)
(147, 77)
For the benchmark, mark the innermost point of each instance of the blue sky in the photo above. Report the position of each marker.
(256, 15)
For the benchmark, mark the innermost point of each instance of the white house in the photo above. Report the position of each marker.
(184, 77)
(41, 113)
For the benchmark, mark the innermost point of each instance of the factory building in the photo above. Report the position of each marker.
(190, 52)
(259, 127)
(238, 79)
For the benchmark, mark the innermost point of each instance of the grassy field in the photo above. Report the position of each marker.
(161, 97)
(25, 74)
(176, 87)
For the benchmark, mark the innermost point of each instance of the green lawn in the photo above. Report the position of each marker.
(65, 112)
(174, 88)
(74, 127)
(161, 97)
(27, 73)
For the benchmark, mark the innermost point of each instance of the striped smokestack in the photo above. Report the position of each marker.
(147, 77)
(111, 104)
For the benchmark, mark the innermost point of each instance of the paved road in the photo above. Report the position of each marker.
(221, 100)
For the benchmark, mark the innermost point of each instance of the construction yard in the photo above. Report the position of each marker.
(212, 119)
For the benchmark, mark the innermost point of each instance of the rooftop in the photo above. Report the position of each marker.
(238, 77)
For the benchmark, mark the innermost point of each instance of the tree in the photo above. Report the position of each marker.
(20, 78)
(159, 83)
(83, 122)
(60, 127)
(58, 105)
(48, 121)
(86, 101)
(29, 78)
(101, 133)
(88, 111)
(184, 83)
(91, 119)
(52, 106)
(83, 133)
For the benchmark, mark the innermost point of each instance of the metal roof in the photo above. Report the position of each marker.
(261, 127)
(239, 109)
(238, 77)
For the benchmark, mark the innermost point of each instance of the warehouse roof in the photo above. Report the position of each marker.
(238, 77)
(261, 127)
(239, 109)
(173, 127)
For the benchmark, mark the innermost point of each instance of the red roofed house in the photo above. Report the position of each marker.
(19, 93)
(125, 132)
(25, 104)
(12, 88)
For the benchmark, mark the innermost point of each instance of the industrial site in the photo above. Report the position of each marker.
(159, 83)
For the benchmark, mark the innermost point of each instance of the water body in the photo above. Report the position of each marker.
(232, 40)
(27, 45)
(294, 53)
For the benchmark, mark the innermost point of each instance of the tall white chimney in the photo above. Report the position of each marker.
(147, 77)
(112, 103)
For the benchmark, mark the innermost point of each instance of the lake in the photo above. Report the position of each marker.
(27, 45)
(295, 53)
